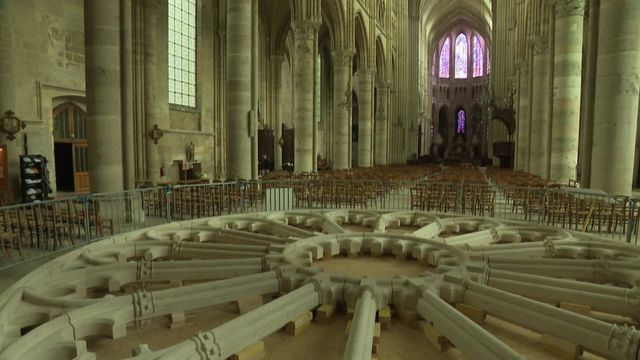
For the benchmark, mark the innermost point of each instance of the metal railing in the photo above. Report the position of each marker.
(30, 231)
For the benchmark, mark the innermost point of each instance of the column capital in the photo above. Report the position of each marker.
(564, 8)
(305, 29)
(539, 44)
(522, 67)
(277, 59)
(366, 74)
(384, 85)
(342, 57)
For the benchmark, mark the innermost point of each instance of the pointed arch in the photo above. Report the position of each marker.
(361, 42)
(381, 66)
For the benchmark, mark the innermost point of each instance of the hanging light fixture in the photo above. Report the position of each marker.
(10, 124)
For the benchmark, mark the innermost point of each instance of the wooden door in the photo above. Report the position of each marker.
(265, 144)
(6, 196)
(70, 127)
(288, 148)
(81, 168)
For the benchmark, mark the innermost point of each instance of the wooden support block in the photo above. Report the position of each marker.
(374, 350)
(297, 326)
(352, 254)
(177, 320)
(324, 312)
(252, 352)
(176, 283)
(561, 348)
(350, 312)
(384, 316)
(247, 304)
(347, 329)
(376, 333)
(576, 308)
(407, 316)
(434, 337)
(472, 312)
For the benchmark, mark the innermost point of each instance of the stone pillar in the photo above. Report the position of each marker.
(381, 118)
(305, 32)
(365, 118)
(541, 116)
(156, 83)
(567, 89)
(523, 126)
(589, 92)
(239, 53)
(341, 109)
(102, 44)
(276, 66)
(616, 100)
(128, 121)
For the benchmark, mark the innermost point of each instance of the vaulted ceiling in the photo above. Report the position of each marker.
(438, 16)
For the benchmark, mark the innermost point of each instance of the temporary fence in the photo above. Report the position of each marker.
(34, 230)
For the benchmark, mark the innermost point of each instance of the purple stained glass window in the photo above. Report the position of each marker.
(488, 62)
(478, 56)
(461, 123)
(462, 48)
(445, 53)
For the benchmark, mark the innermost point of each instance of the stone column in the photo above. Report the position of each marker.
(567, 79)
(128, 120)
(276, 66)
(541, 116)
(342, 109)
(239, 53)
(523, 126)
(305, 32)
(102, 44)
(616, 100)
(381, 118)
(365, 118)
(156, 83)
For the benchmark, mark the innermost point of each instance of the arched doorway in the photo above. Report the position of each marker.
(71, 148)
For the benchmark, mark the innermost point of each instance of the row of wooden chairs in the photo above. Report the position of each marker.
(472, 199)
(49, 226)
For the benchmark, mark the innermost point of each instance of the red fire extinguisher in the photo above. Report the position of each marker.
(162, 170)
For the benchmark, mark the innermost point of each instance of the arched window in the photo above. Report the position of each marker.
(462, 64)
(444, 59)
(461, 122)
(182, 52)
(478, 56)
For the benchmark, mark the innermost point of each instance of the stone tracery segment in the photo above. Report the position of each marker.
(512, 271)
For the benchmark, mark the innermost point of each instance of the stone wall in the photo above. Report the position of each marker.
(46, 42)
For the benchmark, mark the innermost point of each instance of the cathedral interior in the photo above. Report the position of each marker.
(319, 179)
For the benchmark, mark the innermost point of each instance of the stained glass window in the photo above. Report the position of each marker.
(488, 62)
(182, 52)
(461, 56)
(478, 56)
(444, 59)
(461, 122)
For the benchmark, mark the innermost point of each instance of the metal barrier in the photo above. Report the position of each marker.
(39, 229)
